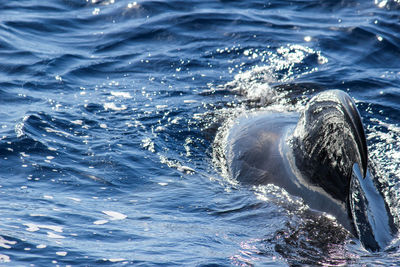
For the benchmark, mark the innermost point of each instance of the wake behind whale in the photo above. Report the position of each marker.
(319, 155)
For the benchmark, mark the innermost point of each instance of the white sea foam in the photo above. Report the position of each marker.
(113, 106)
(36, 227)
(4, 243)
(177, 165)
(121, 94)
(115, 215)
(55, 236)
(148, 144)
(62, 253)
(100, 222)
(4, 258)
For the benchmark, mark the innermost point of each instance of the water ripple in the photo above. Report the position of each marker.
(110, 110)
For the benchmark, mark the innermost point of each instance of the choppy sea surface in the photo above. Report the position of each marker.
(113, 113)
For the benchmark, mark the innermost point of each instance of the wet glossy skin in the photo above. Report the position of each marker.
(258, 153)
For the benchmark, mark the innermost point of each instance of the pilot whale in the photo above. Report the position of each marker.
(320, 155)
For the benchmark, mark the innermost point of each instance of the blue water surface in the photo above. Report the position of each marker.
(112, 114)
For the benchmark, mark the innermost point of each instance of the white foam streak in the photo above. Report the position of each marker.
(112, 106)
(36, 227)
(121, 94)
(6, 243)
(114, 215)
(55, 236)
(177, 165)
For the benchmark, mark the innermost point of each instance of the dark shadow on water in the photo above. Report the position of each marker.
(313, 239)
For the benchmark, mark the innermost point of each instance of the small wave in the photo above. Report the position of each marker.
(384, 141)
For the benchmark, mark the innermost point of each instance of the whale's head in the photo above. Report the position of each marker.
(330, 151)
(328, 140)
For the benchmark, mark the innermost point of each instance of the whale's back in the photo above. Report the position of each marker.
(256, 144)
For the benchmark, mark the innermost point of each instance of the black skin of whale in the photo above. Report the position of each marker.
(320, 155)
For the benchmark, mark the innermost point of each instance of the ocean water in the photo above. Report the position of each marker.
(113, 114)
